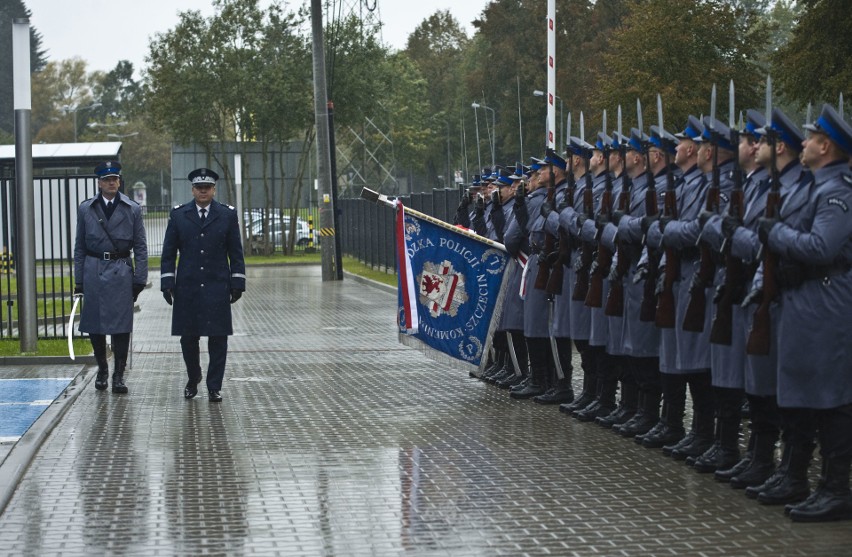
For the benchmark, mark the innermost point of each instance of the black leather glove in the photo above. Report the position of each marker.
(730, 225)
(465, 202)
(753, 297)
(78, 289)
(601, 220)
(498, 221)
(703, 217)
(764, 227)
(647, 221)
(480, 204)
(236, 294)
(581, 219)
(137, 289)
(616, 217)
(546, 209)
(664, 221)
(520, 193)
(495, 197)
(167, 296)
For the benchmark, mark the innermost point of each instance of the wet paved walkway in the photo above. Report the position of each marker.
(334, 440)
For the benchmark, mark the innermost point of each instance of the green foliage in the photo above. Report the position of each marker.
(46, 347)
(816, 64)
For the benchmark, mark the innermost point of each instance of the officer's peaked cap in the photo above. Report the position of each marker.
(831, 124)
(786, 130)
(203, 176)
(108, 168)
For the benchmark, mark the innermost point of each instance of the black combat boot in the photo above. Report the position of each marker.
(762, 464)
(646, 417)
(496, 367)
(728, 452)
(753, 491)
(832, 500)
(118, 385)
(626, 407)
(587, 396)
(793, 486)
(537, 353)
(725, 474)
(671, 432)
(560, 390)
(99, 348)
(120, 347)
(701, 440)
(605, 402)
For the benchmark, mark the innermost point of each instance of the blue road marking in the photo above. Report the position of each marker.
(22, 401)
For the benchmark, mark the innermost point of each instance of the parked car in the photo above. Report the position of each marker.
(278, 230)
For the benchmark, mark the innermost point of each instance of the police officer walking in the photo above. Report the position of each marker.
(210, 277)
(109, 227)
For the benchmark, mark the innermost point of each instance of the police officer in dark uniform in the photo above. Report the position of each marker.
(210, 277)
(109, 227)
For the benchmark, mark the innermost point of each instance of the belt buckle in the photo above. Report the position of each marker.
(107, 256)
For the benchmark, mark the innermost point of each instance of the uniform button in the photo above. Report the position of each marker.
(202, 234)
(202, 268)
(202, 251)
(202, 285)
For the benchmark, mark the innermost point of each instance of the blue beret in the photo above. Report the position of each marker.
(786, 130)
(754, 121)
(579, 148)
(693, 130)
(831, 124)
(717, 133)
(637, 140)
(108, 168)
(203, 176)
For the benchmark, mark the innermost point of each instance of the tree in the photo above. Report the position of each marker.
(62, 91)
(9, 11)
(679, 50)
(816, 64)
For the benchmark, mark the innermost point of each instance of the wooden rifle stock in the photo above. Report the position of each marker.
(615, 298)
(735, 275)
(594, 297)
(759, 336)
(545, 257)
(587, 250)
(665, 311)
(696, 310)
(557, 272)
(648, 309)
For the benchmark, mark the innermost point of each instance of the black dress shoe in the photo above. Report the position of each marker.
(214, 396)
(191, 388)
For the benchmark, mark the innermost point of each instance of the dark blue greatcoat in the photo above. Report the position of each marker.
(108, 285)
(211, 264)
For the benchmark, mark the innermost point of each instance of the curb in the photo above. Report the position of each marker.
(375, 284)
(16, 463)
(46, 360)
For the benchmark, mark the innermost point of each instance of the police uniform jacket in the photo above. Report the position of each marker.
(761, 373)
(512, 317)
(107, 282)
(574, 314)
(814, 352)
(211, 264)
(536, 308)
(599, 323)
(615, 323)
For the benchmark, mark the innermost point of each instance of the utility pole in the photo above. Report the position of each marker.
(330, 259)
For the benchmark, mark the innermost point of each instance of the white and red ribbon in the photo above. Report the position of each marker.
(406, 276)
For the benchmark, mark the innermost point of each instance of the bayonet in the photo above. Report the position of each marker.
(742, 122)
(660, 115)
(840, 106)
(569, 127)
(604, 121)
(768, 102)
(619, 124)
(731, 105)
(639, 116)
(582, 128)
(808, 115)
(713, 108)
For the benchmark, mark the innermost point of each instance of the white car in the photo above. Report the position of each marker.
(274, 231)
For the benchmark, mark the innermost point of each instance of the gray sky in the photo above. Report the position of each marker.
(102, 32)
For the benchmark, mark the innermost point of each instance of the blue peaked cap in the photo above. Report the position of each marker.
(754, 122)
(786, 130)
(693, 130)
(831, 124)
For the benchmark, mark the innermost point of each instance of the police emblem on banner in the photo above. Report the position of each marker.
(441, 289)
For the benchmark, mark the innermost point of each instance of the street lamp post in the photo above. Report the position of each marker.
(538, 93)
(68, 108)
(493, 135)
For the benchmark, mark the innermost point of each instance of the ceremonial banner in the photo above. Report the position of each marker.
(450, 288)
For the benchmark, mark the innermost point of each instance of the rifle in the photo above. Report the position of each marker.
(587, 250)
(693, 319)
(759, 335)
(615, 298)
(665, 314)
(735, 273)
(648, 309)
(545, 258)
(557, 272)
(594, 297)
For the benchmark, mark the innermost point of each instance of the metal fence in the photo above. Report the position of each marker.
(367, 229)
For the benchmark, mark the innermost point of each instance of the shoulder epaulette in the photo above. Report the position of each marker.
(848, 178)
(231, 207)
(176, 207)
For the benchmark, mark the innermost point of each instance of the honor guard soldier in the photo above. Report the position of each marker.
(109, 228)
(209, 278)
(813, 240)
